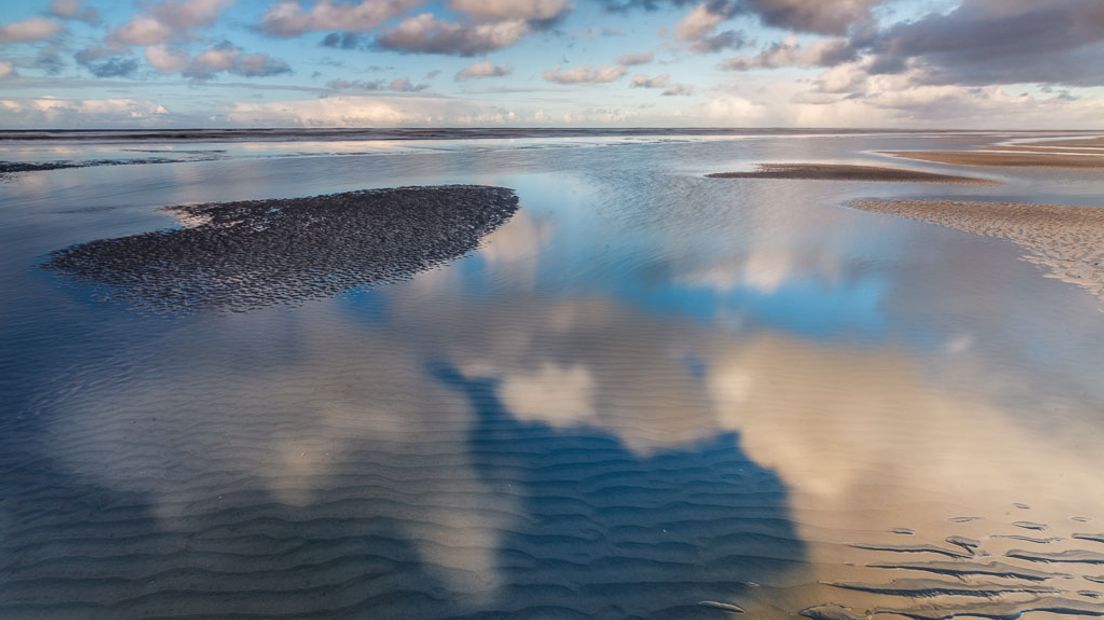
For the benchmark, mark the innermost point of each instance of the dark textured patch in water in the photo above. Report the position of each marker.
(7, 167)
(239, 256)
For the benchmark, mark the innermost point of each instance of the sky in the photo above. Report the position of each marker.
(954, 64)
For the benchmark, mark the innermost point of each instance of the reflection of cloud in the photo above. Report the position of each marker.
(557, 395)
(761, 270)
(336, 432)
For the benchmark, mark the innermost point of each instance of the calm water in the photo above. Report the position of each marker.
(649, 394)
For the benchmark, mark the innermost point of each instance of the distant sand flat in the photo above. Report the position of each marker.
(845, 172)
(1021, 158)
(1068, 241)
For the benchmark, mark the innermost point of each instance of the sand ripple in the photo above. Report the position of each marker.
(1067, 241)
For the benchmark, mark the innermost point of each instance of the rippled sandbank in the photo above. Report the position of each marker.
(1068, 241)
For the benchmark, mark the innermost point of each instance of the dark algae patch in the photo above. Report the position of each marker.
(239, 256)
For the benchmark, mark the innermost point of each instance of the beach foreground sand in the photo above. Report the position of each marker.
(1068, 241)
(846, 172)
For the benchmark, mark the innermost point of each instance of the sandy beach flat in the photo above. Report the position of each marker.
(1019, 159)
(1068, 241)
(847, 172)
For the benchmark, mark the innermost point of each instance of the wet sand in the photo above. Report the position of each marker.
(243, 255)
(1019, 159)
(1052, 153)
(846, 172)
(1067, 241)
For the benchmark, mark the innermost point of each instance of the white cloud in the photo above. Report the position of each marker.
(141, 30)
(584, 74)
(31, 29)
(679, 90)
(166, 59)
(74, 9)
(698, 27)
(643, 81)
(289, 19)
(483, 69)
(633, 59)
(6, 70)
(699, 22)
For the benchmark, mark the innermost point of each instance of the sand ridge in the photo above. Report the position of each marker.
(1068, 241)
(848, 172)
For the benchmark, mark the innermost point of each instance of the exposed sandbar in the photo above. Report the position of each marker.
(9, 167)
(1068, 241)
(1034, 158)
(847, 172)
(243, 255)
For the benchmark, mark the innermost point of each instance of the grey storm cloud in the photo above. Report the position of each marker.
(999, 42)
(104, 63)
(113, 67)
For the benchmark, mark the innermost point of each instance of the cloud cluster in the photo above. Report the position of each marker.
(818, 16)
(698, 27)
(168, 21)
(790, 53)
(661, 81)
(399, 85)
(221, 58)
(483, 69)
(584, 74)
(426, 34)
(999, 42)
(815, 16)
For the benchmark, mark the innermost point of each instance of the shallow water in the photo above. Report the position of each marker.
(648, 394)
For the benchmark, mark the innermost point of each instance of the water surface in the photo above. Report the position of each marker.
(648, 394)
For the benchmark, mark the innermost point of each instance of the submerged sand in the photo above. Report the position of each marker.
(847, 172)
(243, 255)
(1068, 241)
